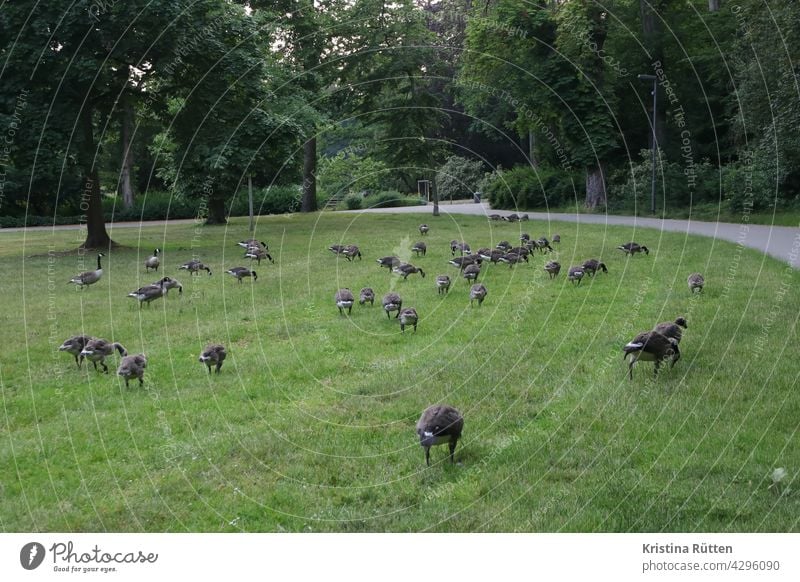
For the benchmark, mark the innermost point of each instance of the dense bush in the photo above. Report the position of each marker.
(526, 188)
(345, 174)
(751, 183)
(390, 199)
(352, 202)
(458, 178)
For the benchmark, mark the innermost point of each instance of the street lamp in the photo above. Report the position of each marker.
(654, 79)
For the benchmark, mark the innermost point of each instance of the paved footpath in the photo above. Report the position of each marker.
(781, 242)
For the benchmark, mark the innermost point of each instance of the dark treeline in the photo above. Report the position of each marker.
(535, 103)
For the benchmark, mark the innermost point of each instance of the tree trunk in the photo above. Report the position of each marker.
(532, 149)
(595, 186)
(435, 196)
(713, 5)
(216, 211)
(309, 202)
(125, 175)
(91, 199)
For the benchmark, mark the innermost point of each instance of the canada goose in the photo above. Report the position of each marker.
(511, 218)
(420, 248)
(575, 274)
(336, 249)
(462, 262)
(531, 245)
(258, 254)
(97, 350)
(367, 294)
(194, 266)
(492, 256)
(389, 262)
(407, 269)
(543, 244)
(392, 302)
(439, 424)
(461, 247)
(89, 277)
(213, 355)
(149, 293)
(74, 346)
(253, 244)
(132, 367)
(443, 284)
(524, 217)
(471, 272)
(169, 283)
(408, 317)
(553, 268)
(423, 229)
(511, 259)
(152, 262)
(651, 346)
(524, 237)
(696, 281)
(483, 253)
(503, 245)
(672, 328)
(350, 252)
(477, 293)
(495, 217)
(592, 266)
(344, 300)
(242, 272)
(523, 252)
(556, 238)
(632, 248)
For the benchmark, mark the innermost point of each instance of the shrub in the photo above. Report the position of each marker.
(352, 202)
(391, 199)
(526, 188)
(750, 183)
(344, 173)
(458, 178)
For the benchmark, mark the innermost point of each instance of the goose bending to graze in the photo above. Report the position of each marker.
(74, 346)
(556, 238)
(544, 244)
(408, 317)
(523, 252)
(407, 269)
(511, 218)
(420, 248)
(149, 293)
(592, 266)
(423, 229)
(672, 328)
(495, 217)
(367, 295)
(344, 300)
(152, 262)
(651, 346)
(169, 283)
(503, 245)
(462, 262)
(511, 259)
(439, 424)
(336, 249)
(253, 244)
(459, 246)
(89, 277)
(492, 256)
(132, 367)
(524, 237)
(97, 350)
(477, 293)
(389, 262)
(524, 217)
(350, 252)
(443, 284)
(213, 355)
(392, 302)
(696, 281)
(471, 272)
(632, 248)
(194, 266)
(258, 254)
(575, 274)
(242, 272)
(553, 268)
(483, 253)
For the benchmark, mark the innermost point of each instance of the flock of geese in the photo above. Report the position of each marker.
(439, 424)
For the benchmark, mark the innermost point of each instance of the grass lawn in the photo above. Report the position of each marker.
(310, 425)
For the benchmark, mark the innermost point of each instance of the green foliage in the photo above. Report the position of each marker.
(347, 173)
(389, 199)
(526, 188)
(352, 202)
(458, 178)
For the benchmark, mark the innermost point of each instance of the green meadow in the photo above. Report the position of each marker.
(310, 425)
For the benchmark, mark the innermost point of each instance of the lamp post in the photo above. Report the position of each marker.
(654, 79)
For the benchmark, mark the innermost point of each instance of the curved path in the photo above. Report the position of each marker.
(781, 242)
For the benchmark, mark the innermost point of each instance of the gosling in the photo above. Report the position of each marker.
(213, 355)
(132, 367)
(575, 274)
(97, 350)
(392, 302)
(408, 317)
(443, 284)
(439, 424)
(74, 346)
(632, 248)
(553, 268)
(592, 266)
(477, 293)
(344, 300)
(696, 281)
(366, 295)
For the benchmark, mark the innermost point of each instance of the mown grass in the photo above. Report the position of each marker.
(310, 425)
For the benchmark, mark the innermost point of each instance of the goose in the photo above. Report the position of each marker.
(524, 237)
(477, 293)
(672, 328)
(253, 244)
(242, 272)
(443, 284)
(632, 248)
(483, 253)
(553, 268)
(89, 277)
(556, 238)
(258, 254)
(97, 350)
(392, 302)
(651, 346)
(461, 247)
(492, 256)
(350, 252)
(149, 293)
(471, 272)
(194, 266)
(344, 300)
(696, 281)
(213, 355)
(407, 269)
(592, 266)
(367, 294)
(336, 249)
(575, 274)
(524, 217)
(389, 262)
(439, 424)
(462, 262)
(531, 245)
(408, 317)
(169, 283)
(423, 229)
(74, 346)
(152, 262)
(523, 252)
(495, 217)
(420, 248)
(511, 218)
(503, 245)
(132, 367)
(543, 244)
(511, 259)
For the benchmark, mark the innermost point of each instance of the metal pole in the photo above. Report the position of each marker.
(655, 148)
(250, 200)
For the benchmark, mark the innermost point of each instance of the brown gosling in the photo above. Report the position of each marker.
(553, 268)
(471, 272)
(366, 295)
(439, 424)
(592, 266)
(97, 350)
(408, 317)
(213, 355)
(651, 346)
(575, 274)
(392, 302)
(672, 328)
(131, 367)
(477, 293)
(420, 248)
(696, 281)
(443, 284)
(344, 300)
(74, 346)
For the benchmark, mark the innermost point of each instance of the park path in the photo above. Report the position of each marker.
(781, 242)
